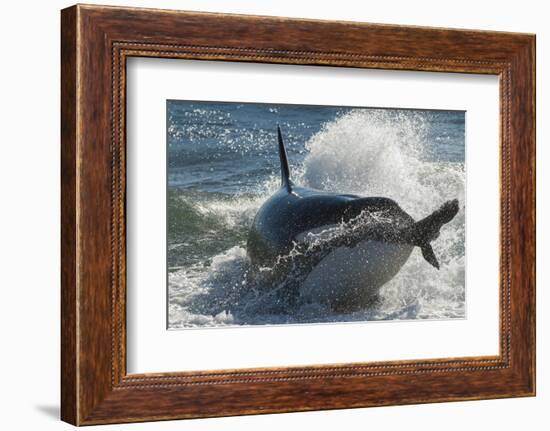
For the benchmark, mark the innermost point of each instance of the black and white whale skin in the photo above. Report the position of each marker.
(337, 248)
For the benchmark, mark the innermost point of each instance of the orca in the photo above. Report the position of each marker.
(338, 249)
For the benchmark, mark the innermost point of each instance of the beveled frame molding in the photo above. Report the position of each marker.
(96, 41)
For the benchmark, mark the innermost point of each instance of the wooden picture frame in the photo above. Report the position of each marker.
(96, 41)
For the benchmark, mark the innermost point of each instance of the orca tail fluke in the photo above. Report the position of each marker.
(428, 229)
(429, 255)
(285, 171)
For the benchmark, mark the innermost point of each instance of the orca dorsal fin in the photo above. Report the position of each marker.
(285, 171)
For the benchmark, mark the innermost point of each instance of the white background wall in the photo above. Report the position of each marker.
(29, 214)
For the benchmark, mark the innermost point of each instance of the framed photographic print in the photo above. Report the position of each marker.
(265, 215)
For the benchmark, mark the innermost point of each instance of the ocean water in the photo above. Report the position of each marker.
(223, 164)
